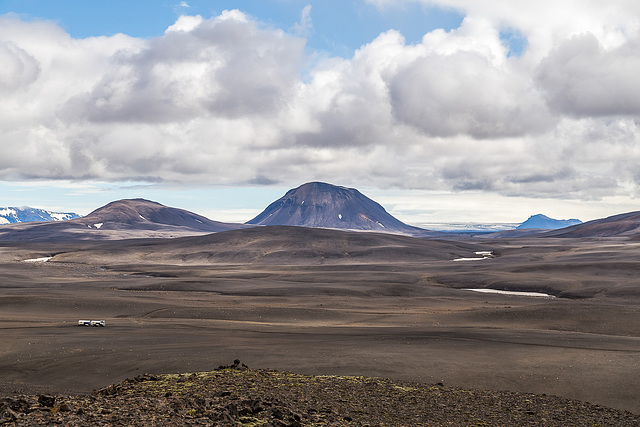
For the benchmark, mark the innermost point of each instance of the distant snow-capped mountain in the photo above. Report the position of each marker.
(12, 215)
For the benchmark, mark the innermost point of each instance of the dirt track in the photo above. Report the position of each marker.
(397, 320)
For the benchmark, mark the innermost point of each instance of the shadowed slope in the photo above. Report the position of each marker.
(278, 245)
(627, 224)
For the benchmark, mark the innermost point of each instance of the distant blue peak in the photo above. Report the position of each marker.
(544, 222)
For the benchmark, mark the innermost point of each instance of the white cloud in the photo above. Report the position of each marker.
(185, 23)
(305, 26)
(463, 83)
(223, 100)
(19, 69)
(225, 66)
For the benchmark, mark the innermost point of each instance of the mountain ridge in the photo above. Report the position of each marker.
(621, 225)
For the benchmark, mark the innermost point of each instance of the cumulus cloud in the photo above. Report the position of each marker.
(19, 69)
(464, 86)
(226, 66)
(582, 78)
(224, 100)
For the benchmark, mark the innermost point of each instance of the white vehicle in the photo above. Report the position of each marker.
(91, 323)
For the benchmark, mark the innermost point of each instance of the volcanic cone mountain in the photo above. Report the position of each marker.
(321, 205)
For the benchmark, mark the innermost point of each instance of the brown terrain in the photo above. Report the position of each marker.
(326, 302)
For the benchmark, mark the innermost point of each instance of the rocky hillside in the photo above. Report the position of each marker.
(235, 395)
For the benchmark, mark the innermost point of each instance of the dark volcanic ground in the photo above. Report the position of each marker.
(235, 395)
(397, 317)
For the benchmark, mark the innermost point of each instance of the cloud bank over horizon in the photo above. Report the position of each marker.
(231, 100)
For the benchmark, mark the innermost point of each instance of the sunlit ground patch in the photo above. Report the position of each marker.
(522, 294)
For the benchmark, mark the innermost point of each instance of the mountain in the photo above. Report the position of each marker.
(544, 222)
(147, 215)
(622, 225)
(12, 215)
(122, 219)
(321, 205)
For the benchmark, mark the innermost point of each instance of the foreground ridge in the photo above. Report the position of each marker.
(236, 395)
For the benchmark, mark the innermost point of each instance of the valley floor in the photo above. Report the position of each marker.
(401, 320)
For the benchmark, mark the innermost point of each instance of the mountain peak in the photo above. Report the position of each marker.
(323, 205)
(146, 214)
(544, 222)
(125, 211)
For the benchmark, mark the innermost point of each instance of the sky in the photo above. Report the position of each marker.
(440, 110)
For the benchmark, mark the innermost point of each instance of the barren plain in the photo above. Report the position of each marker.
(327, 302)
